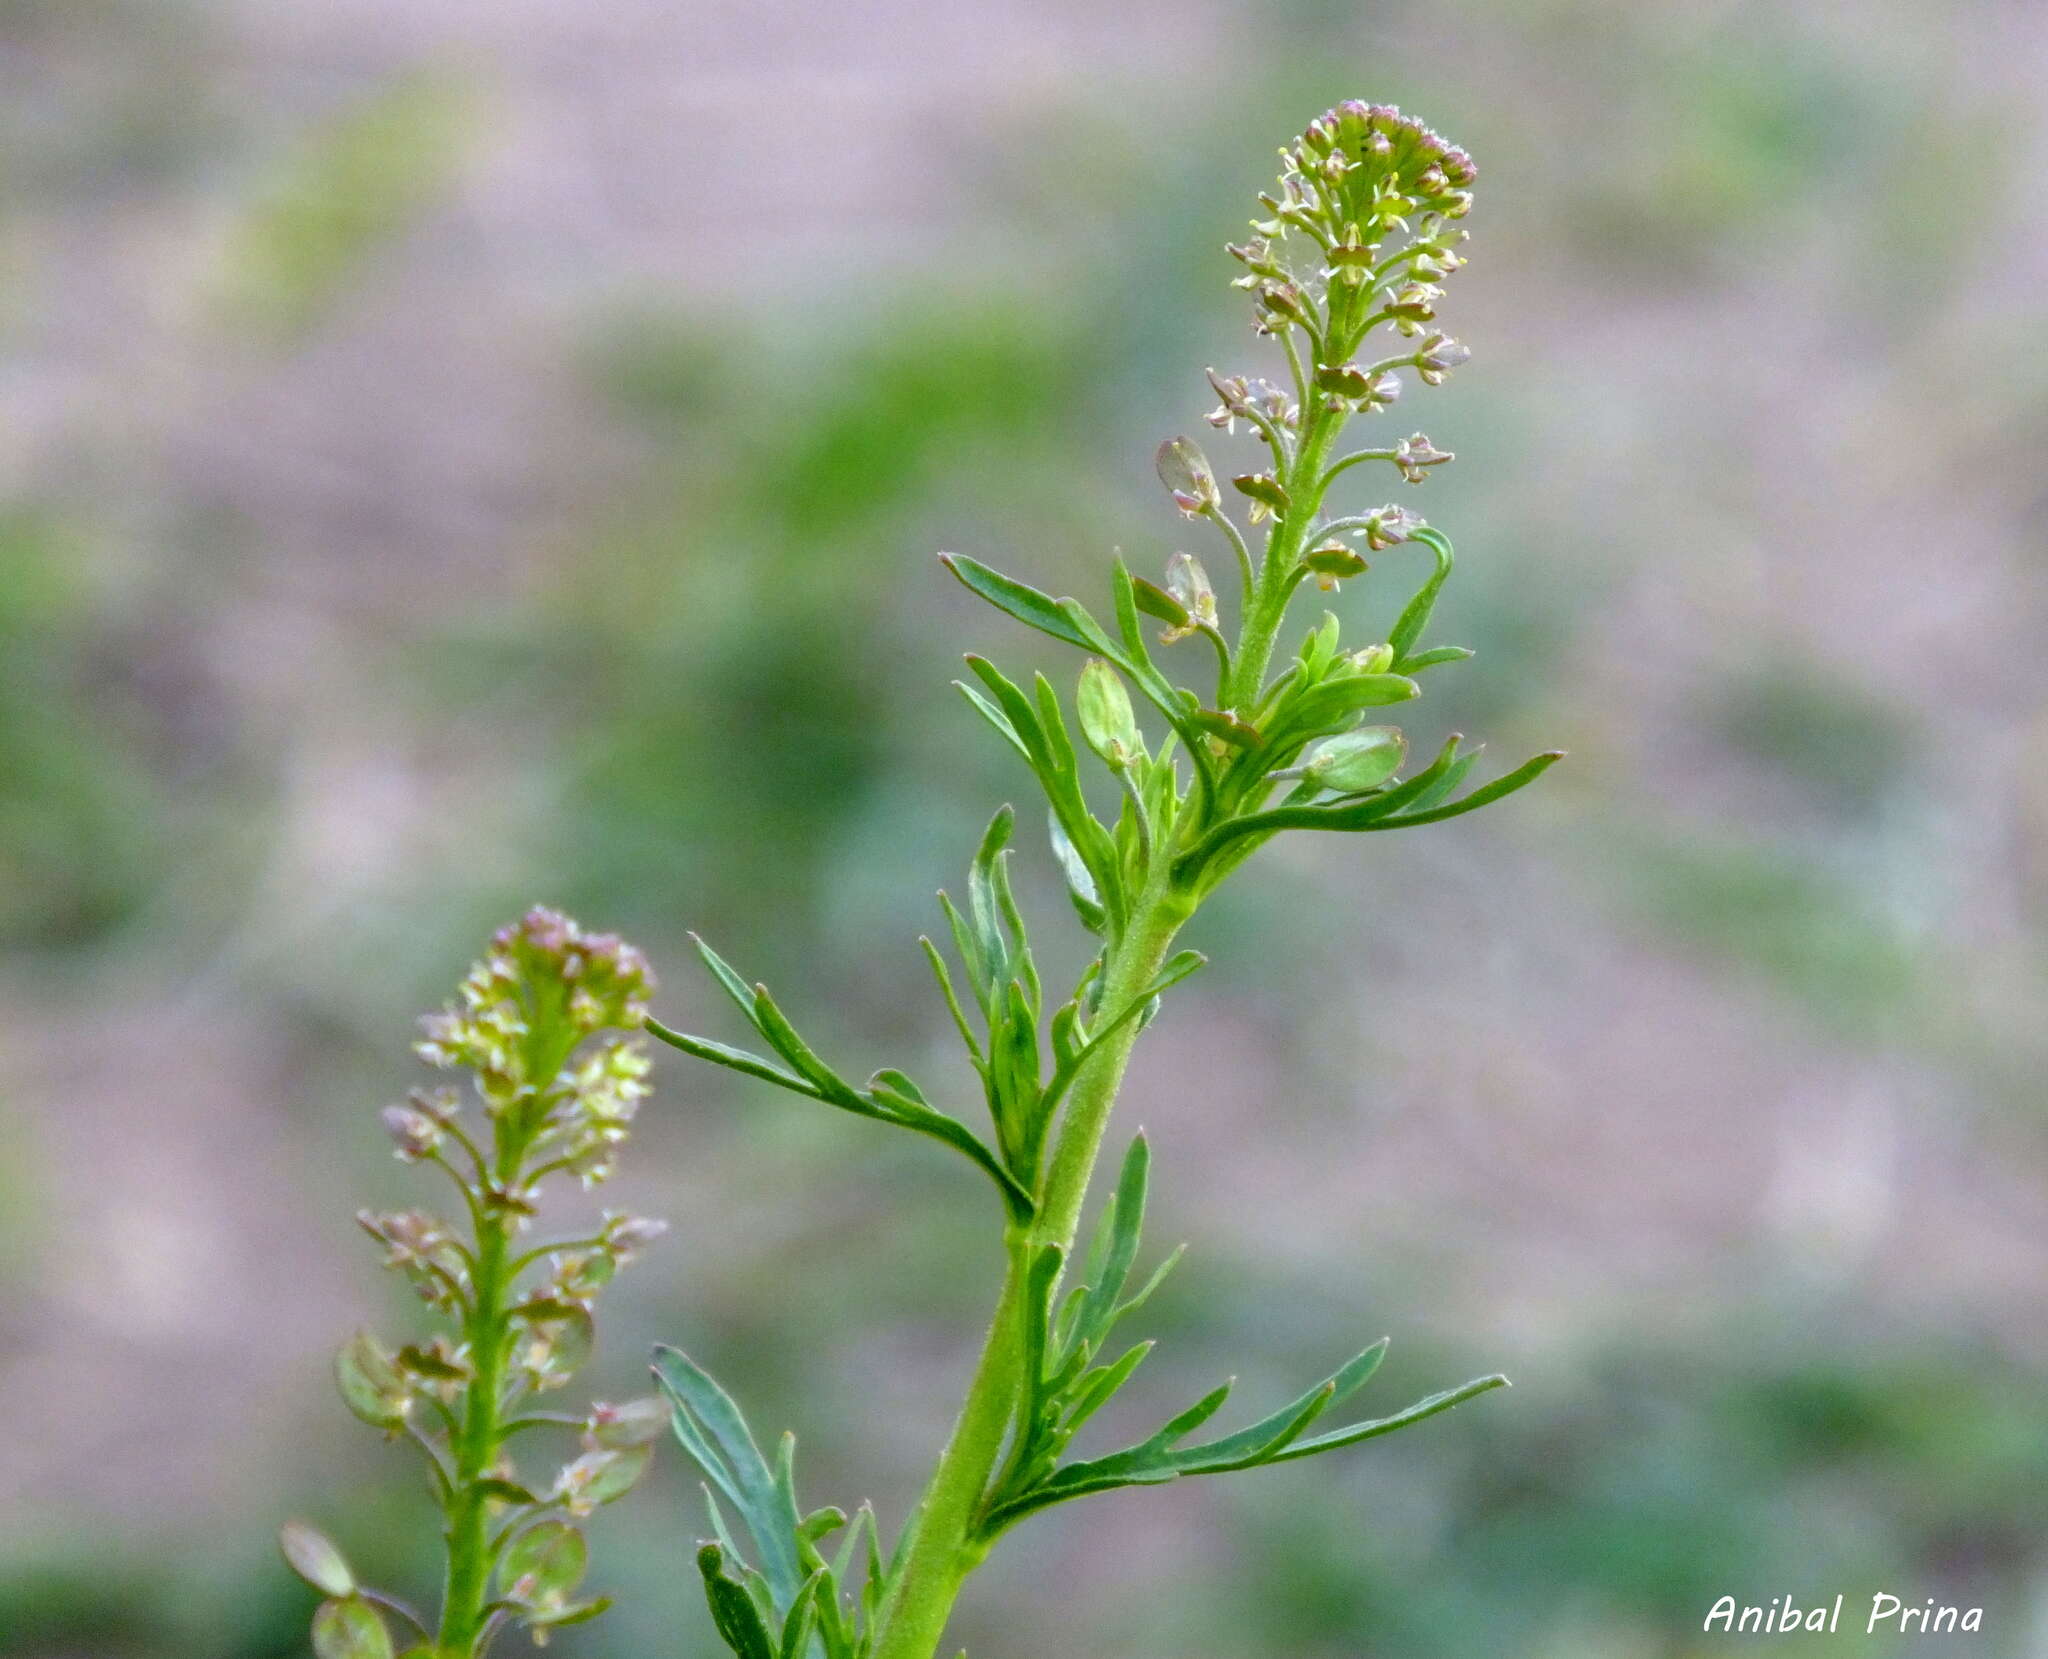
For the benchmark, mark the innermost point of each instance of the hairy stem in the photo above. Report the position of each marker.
(1283, 547)
(941, 1547)
(476, 1445)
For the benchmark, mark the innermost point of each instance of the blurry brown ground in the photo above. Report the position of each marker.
(454, 455)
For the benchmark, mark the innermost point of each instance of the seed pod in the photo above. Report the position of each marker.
(1107, 720)
(1332, 562)
(370, 1382)
(1185, 472)
(1356, 761)
(560, 1338)
(600, 1477)
(348, 1628)
(414, 1134)
(543, 1564)
(625, 1236)
(1266, 493)
(1188, 582)
(1345, 379)
(313, 1556)
(630, 1423)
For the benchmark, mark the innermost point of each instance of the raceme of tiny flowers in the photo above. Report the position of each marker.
(1346, 269)
(546, 1027)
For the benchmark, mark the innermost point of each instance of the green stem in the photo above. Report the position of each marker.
(476, 1447)
(1283, 548)
(942, 1547)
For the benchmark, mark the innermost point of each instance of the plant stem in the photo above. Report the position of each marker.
(1304, 483)
(940, 1548)
(476, 1445)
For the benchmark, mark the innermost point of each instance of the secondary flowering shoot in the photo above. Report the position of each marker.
(546, 1029)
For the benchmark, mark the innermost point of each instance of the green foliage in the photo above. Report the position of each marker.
(1067, 1382)
(1245, 755)
(796, 1602)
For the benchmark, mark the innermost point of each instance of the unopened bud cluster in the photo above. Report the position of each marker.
(1359, 237)
(1359, 233)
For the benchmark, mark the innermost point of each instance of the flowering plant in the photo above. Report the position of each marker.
(1354, 247)
(545, 1028)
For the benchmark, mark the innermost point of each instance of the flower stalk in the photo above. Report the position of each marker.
(1356, 241)
(544, 1027)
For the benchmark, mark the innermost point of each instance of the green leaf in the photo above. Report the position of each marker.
(733, 1611)
(1261, 1439)
(716, 1436)
(981, 890)
(1178, 967)
(1156, 601)
(1097, 1386)
(348, 1627)
(1415, 617)
(1015, 599)
(996, 718)
(911, 1113)
(1051, 757)
(1275, 1438)
(314, 1557)
(810, 1076)
(1447, 781)
(1123, 1221)
(735, 987)
(945, 979)
(1080, 884)
(1430, 1407)
(735, 1059)
(783, 1038)
(1323, 706)
(1429, 659)
(1485, 795)
(803, 1618)
(1357, 814)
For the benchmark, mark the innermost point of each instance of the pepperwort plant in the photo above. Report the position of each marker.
(1345, 272)
(546, 1029)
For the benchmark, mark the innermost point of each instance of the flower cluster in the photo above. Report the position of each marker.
(1369, 167)
(1374, 193)
(546, 1025)
(542, 972)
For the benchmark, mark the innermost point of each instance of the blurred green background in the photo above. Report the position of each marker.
(456, 455)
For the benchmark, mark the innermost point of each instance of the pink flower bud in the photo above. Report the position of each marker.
(413, 1133)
